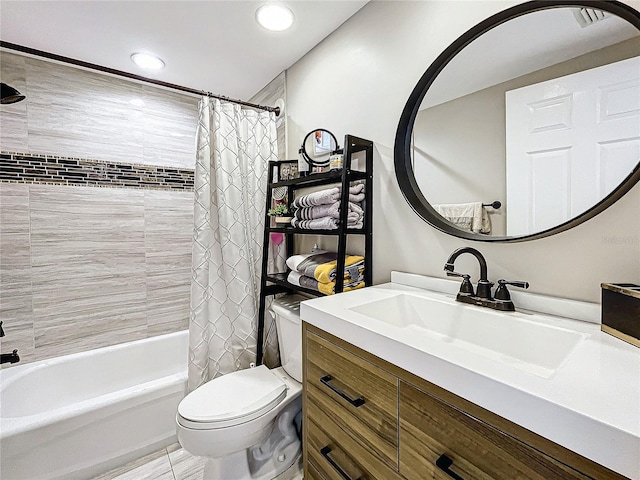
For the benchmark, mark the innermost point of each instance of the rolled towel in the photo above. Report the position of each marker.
(321, 265)
(329, 196)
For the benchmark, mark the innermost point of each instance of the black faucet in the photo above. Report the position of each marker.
(12, 357)
(482, 296)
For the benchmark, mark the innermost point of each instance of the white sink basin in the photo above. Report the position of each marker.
(504, 337)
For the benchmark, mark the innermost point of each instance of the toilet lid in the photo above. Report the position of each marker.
(237, 395)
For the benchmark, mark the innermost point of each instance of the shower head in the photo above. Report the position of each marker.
(9, 94)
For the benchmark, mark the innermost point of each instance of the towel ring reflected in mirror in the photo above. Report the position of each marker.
(419, 182)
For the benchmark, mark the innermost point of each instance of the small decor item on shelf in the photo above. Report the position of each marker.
(335, 161)
(281, 213)
(288, 171)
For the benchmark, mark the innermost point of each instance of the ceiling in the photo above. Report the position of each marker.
(215, 46)
(523, 45)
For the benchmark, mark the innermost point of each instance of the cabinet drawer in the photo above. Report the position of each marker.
(361, 398)
(311, 473)
(430, 428)
(336, 456)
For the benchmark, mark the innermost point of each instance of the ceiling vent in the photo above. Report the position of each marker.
(589, 16)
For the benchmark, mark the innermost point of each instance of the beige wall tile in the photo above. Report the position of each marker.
(88, 268)
(168, 234)
(77, 113)
(16, 309)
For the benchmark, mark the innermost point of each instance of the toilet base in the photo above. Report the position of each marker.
(235, 467)
(266, 460)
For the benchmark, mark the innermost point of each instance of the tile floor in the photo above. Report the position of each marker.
(173, 463)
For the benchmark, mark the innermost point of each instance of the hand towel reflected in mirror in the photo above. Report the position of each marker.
(467, 216)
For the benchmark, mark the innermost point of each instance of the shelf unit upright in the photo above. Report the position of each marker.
(275, 283)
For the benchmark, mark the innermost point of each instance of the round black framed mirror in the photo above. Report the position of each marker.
(594, 38)
(317, 147)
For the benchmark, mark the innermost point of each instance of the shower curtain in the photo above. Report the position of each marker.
(233, 148)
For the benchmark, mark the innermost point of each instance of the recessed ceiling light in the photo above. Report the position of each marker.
(274, 17)
(147, 61)
(138, 102)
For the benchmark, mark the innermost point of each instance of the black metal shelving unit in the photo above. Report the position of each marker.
(274, 283)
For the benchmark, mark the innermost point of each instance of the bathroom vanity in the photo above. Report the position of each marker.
(391, 393)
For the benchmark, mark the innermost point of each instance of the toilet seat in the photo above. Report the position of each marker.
(232, 399)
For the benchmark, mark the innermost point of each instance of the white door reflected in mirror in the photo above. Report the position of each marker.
(459, 136)
(570, 142)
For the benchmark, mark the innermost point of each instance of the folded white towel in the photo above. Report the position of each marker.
(467, 216)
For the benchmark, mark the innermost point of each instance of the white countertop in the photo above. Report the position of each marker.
(590, 405)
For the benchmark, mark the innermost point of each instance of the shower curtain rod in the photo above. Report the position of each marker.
(120, 73)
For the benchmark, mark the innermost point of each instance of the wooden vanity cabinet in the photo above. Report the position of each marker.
(432, 432)
(367, 419)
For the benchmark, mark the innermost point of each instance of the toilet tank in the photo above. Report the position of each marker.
(286, 311)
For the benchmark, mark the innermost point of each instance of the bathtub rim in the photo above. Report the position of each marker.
(8, 375)
(11, 426)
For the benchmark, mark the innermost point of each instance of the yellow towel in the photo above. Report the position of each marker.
(330, 287)
(326, 272)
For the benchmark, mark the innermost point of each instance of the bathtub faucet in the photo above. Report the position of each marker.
(12, 357)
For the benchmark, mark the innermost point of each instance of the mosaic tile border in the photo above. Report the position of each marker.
(57, 170)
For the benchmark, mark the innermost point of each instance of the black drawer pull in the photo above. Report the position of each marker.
(443, 463)
(325, 451)
(357, 402)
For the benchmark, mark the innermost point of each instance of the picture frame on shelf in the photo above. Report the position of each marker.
(288, 171)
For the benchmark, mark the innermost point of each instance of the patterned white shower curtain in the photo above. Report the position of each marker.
(233, 149)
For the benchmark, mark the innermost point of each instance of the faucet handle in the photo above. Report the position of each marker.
(465, 287)
(502, 293)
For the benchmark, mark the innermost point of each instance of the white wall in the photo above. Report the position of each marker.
(358, 80)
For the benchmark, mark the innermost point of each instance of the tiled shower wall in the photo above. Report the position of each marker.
(82, 114)
(81, 266)
(86, 267)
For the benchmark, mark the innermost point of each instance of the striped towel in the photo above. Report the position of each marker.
(324, 223)
(329, 196)
(355, 212)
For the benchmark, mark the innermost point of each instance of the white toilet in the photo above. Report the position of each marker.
(243, 422)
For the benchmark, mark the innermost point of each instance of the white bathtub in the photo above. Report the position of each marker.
(77, 416)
